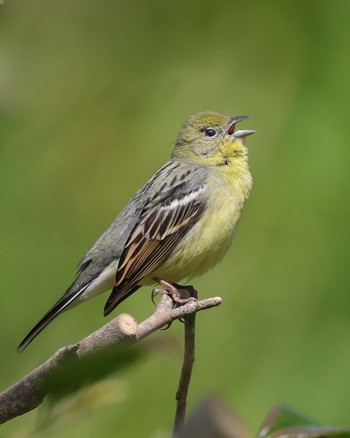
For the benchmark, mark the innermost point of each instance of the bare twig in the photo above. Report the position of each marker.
(29, 392)
(186, 372)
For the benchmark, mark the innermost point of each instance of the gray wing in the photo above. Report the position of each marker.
(175, 206)
(110, 245)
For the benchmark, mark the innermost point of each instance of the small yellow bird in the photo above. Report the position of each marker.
(178, 225)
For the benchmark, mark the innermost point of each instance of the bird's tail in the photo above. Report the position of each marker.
(55, 310)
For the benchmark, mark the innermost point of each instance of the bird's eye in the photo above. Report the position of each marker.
(210, 132)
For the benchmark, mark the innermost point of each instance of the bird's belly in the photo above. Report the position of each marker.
(103, 282)
(204, 246)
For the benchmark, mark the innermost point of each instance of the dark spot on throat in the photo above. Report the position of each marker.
(224, 162)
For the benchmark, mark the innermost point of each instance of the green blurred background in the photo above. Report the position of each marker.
(91, 98)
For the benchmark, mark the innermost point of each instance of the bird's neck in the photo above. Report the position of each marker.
(235, 171)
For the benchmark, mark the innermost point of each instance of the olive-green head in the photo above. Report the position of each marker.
(210, 138)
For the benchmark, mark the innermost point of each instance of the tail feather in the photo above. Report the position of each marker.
(55, 310)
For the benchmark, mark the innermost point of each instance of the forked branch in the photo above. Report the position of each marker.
(29, 392)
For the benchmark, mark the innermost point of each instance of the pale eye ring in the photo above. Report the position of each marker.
(210, 132)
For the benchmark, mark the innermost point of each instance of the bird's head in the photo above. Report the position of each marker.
(211, 139)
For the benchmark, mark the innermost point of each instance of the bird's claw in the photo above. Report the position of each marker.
(166, 327)
(156, 292)
(178, 293)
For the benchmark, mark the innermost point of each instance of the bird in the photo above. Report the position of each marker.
(177, 226)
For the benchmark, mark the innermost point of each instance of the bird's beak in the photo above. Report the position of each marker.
(243, 133)
(238, 134)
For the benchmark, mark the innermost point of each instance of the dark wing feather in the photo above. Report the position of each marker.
(159, 229)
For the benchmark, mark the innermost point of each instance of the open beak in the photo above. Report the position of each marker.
(238, 134)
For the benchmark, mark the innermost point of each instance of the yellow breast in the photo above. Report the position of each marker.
(207, 242)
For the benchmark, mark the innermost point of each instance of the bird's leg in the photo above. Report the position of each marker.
(179, 294)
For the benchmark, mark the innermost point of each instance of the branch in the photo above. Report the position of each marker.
(186, 372)
(29, 392)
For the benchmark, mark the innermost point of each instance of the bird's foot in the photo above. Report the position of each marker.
(178, 293)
